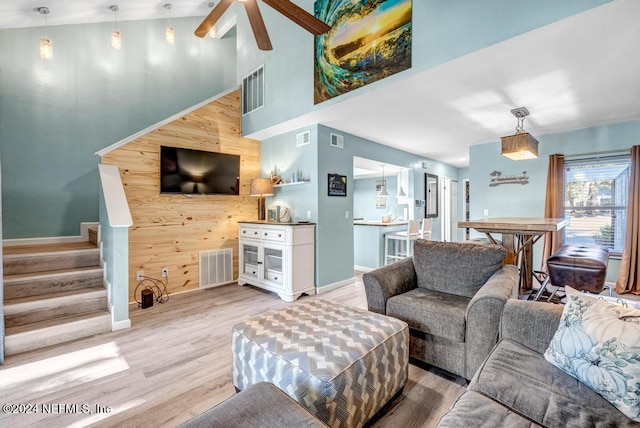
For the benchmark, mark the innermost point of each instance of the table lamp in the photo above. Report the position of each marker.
(261, 187)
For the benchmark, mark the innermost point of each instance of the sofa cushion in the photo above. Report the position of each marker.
(432, 312)
(524, 382)
(473, 409)
(455, 268)
(598, 343)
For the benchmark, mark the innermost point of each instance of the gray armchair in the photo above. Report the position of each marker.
(451, 295)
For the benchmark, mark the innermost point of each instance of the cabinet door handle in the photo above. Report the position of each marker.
(265, 234)
(259, 263)
(255, 233)
(275, 278)
(244, 231)
(279, 235)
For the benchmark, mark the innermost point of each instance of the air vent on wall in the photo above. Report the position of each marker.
(253, 91)
(216, 267)
(303, 138)
(336, 141)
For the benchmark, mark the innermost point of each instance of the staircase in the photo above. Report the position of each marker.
(53, 293)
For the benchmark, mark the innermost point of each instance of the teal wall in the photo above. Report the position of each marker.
(282, 152)
(55, 114)
(365, 196)
(442, 31)
(334, 230)
(510, 200)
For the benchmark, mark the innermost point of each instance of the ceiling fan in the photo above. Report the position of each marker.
(285, 7)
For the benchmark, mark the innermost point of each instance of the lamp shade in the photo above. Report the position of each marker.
(261, 187)
(520, 146)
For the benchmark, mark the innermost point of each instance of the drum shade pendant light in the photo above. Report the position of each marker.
(170, 34)
(116, 41)
(520, 145)
(46, 47)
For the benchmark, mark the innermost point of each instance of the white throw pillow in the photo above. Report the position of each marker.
(598, 343)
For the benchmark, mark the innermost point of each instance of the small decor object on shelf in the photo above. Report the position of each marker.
(275, 176)
(285, 215)
(337, 185)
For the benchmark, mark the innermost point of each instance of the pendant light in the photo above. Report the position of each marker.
(170, 34)
(46, 47)
(520, 145)
(116, 41)
(383, 189)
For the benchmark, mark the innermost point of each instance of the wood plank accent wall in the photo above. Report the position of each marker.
(170, 230)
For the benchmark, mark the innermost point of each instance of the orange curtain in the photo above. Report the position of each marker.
(554, 205)
(628, 275)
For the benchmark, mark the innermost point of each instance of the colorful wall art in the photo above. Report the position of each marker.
(369, 40)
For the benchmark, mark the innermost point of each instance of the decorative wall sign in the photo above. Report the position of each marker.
(380, 184)
(381, 202)
(337, 185)
(369, 40)
(497, 178)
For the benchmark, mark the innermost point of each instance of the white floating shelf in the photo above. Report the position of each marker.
(295, 183)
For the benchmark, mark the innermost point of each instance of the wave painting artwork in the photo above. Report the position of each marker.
(368, 41)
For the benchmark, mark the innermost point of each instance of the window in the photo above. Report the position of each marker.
(595, 200)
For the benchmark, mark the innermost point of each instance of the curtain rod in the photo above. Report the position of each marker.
(607, 152)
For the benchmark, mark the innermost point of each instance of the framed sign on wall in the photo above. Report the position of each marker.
(337, 185)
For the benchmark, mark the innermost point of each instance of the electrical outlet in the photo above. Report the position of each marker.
(165, 272)
(308, 215)
(140, 275)
(486, 212)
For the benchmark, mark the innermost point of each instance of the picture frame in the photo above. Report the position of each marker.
(337, 185)
(380, 184)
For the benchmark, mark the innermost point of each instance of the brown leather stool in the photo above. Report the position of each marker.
(580, 267)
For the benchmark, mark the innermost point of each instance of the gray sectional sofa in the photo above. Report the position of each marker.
(516, 386)
(451, 295)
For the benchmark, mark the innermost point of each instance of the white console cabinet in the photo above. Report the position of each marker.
(278, 257)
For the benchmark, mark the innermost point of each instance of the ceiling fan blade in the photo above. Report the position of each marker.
(212, 18)
(299, 16)
(257, 25)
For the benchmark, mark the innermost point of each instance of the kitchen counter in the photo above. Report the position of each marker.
(379, 223)
(368, 242)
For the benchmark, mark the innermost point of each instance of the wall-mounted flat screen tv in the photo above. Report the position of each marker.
(197, 172)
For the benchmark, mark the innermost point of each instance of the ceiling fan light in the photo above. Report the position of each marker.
(520, 146)
(170, 35)
(46, 48)
(116, 40)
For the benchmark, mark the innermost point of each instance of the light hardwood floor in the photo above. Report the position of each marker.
(175, 362)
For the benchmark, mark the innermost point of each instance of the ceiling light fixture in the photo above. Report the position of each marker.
(170, 34)
(116, 41)
(520, 145)
(46, 47)
(383, 189)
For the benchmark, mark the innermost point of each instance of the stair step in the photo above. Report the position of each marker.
(41, 283)
(40, 334)
(40, 258)
(32, 309)
(93, 235)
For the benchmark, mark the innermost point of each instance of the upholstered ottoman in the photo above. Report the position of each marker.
(581, 267)
(341, 363)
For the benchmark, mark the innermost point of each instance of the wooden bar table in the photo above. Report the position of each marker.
(518, 236)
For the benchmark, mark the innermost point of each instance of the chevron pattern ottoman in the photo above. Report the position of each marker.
(341, 363)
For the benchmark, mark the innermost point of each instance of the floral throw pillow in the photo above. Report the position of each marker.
(598, 343)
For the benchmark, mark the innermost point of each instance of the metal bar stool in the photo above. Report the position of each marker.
(401, 251)
(580, 267)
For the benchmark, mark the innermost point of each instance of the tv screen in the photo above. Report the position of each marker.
(194, 172)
